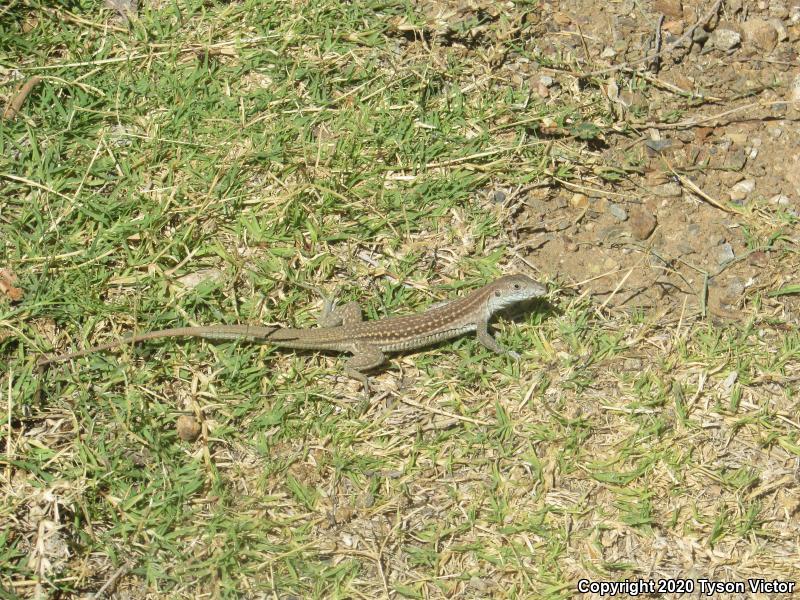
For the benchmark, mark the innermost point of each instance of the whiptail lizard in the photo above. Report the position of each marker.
(344, 330)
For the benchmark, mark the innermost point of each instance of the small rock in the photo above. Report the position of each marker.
(760, 33)
(480, 585)
(735, 160)
(365, 500)
(668, 190)
(780, 29)
(699, 36)
(655, 178)
(642, 223)
(794, 14)
(669, 8)
(795, 94)
(498, 196)
(608, 52)
(125, 8)
(724, 40)
(778, 10)
(758, 259)
(738, 138)
(192, 280)
(188, 428)
(616, 211)
(632, 364)
(741, 190)
(727, 383)
(658, 146)
(736, 287)
(546, 81)
(725, 253)
(579, 201)
(674, 27)
(780, 200)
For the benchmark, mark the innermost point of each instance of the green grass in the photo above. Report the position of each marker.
(214, 163)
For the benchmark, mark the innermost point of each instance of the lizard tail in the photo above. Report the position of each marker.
(212, 332)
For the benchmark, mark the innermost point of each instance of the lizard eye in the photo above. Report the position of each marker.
(497, 293)
(516, 286)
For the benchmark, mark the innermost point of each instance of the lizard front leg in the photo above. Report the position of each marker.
(365, 357)
(485, 338)
(332, 316)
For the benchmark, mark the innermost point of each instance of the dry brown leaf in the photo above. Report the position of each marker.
(7, 288)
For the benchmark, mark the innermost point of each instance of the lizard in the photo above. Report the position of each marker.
(345, 330)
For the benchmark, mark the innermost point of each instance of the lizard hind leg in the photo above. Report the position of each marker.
(365, 357)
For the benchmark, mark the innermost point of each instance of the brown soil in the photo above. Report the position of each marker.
(698, 171)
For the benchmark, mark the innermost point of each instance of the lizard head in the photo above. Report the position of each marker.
(511, 289)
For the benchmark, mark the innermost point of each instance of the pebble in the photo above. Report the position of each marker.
(758, 259)
(192, 280)
(675, 27)
(735, 160)
(669, 8)
(632, 364)
(498, 196)
(658, 146)
(725, 253)
(727, 383)
(546, 81)
(741, 190)
(668, 190)
(608, 52)
(617, 212)
(723, 39)
(740, 139)
(736, 287)
(365, 500)
(780, 200)
(642, 223)
(780, 28)
(778, 10)
(188, 428)
(701, 36)
(579, 201)
(760, 33)
(796, 89)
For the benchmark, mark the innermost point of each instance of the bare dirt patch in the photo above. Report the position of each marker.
(712, 178)
(695, 173)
